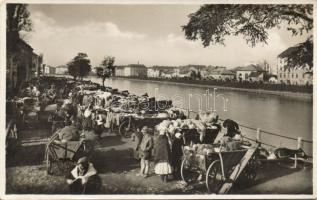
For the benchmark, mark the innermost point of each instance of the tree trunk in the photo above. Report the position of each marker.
(103, 81)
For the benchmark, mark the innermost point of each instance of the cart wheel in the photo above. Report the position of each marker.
(214, 177)
(188, 174)
(126, 130)
(49, 167)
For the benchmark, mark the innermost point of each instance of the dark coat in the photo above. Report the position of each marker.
(162, 151)
(177, 150)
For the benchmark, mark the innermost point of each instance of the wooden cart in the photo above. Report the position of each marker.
(59, 153)
(220, 169)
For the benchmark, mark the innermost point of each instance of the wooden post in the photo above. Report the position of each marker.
(299, 143)
(295, 161)
(258, 135)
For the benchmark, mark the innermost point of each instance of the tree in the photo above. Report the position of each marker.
(212, 23)
(18, 19)
(302, 55)
(79, 66)
(106, 68)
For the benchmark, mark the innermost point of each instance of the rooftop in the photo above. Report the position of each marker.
(136, 65)
(156, 67)
(251, 67)
(255, 74)
(288, 51)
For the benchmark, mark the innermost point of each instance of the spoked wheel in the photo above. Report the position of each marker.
(188, 174)
(49, 163)
(126, 129)
(214, 178)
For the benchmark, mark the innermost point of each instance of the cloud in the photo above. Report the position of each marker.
(60, 44)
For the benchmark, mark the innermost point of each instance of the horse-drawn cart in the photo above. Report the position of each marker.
(220, 168)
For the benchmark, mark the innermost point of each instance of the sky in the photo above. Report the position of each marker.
(145, 34)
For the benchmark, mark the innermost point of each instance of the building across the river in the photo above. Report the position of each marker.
(251, 72)
(298, 75)
(49, 70)
(62, 69)
(132, 70)
(162, 71)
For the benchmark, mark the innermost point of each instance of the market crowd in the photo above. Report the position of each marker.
(82, 110)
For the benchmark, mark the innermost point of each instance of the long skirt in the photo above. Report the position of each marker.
(163, 168)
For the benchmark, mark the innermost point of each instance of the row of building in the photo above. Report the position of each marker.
(251, 72)
(255, 72)
(22, 65)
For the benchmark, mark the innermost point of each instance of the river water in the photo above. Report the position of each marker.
(272, 113)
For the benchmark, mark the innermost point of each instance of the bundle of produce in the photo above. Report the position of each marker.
(208, 117)
(164, 125)
(68, 133)
(162, 115)
(203, 149)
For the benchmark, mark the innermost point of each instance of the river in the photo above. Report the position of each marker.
(272, 113)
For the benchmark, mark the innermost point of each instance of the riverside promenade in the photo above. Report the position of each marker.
(117, 170)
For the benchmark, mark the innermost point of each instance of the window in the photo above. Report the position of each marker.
(292, 75)
(296, 75)
(280, 75)
(284, 75)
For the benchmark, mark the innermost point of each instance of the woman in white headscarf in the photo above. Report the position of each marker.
(162, 156)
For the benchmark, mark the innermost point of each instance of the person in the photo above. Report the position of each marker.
(232, 128)
(162, 156)
(146, 147)
(99, 122)
(136, 137)
(82, 179)
(177, 153)
(69, 132)
(57, 118)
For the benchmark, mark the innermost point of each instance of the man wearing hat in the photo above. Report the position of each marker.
(146, 147)
(80, 178)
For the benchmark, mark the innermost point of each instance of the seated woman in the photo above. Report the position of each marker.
(83, 178)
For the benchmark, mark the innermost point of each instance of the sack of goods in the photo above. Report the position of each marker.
(68, 133)
(202, 149)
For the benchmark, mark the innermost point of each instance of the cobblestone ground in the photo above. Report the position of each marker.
(26, 172)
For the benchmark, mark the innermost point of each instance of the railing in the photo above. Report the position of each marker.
(258, 134)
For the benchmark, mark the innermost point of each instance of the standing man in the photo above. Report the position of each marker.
(146, 147)
(232, 128)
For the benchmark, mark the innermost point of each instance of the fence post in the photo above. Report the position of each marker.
(295, 161)
(258, 135)
(299, 142)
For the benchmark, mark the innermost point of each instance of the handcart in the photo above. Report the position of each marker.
(59, 153)
(219, 169)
